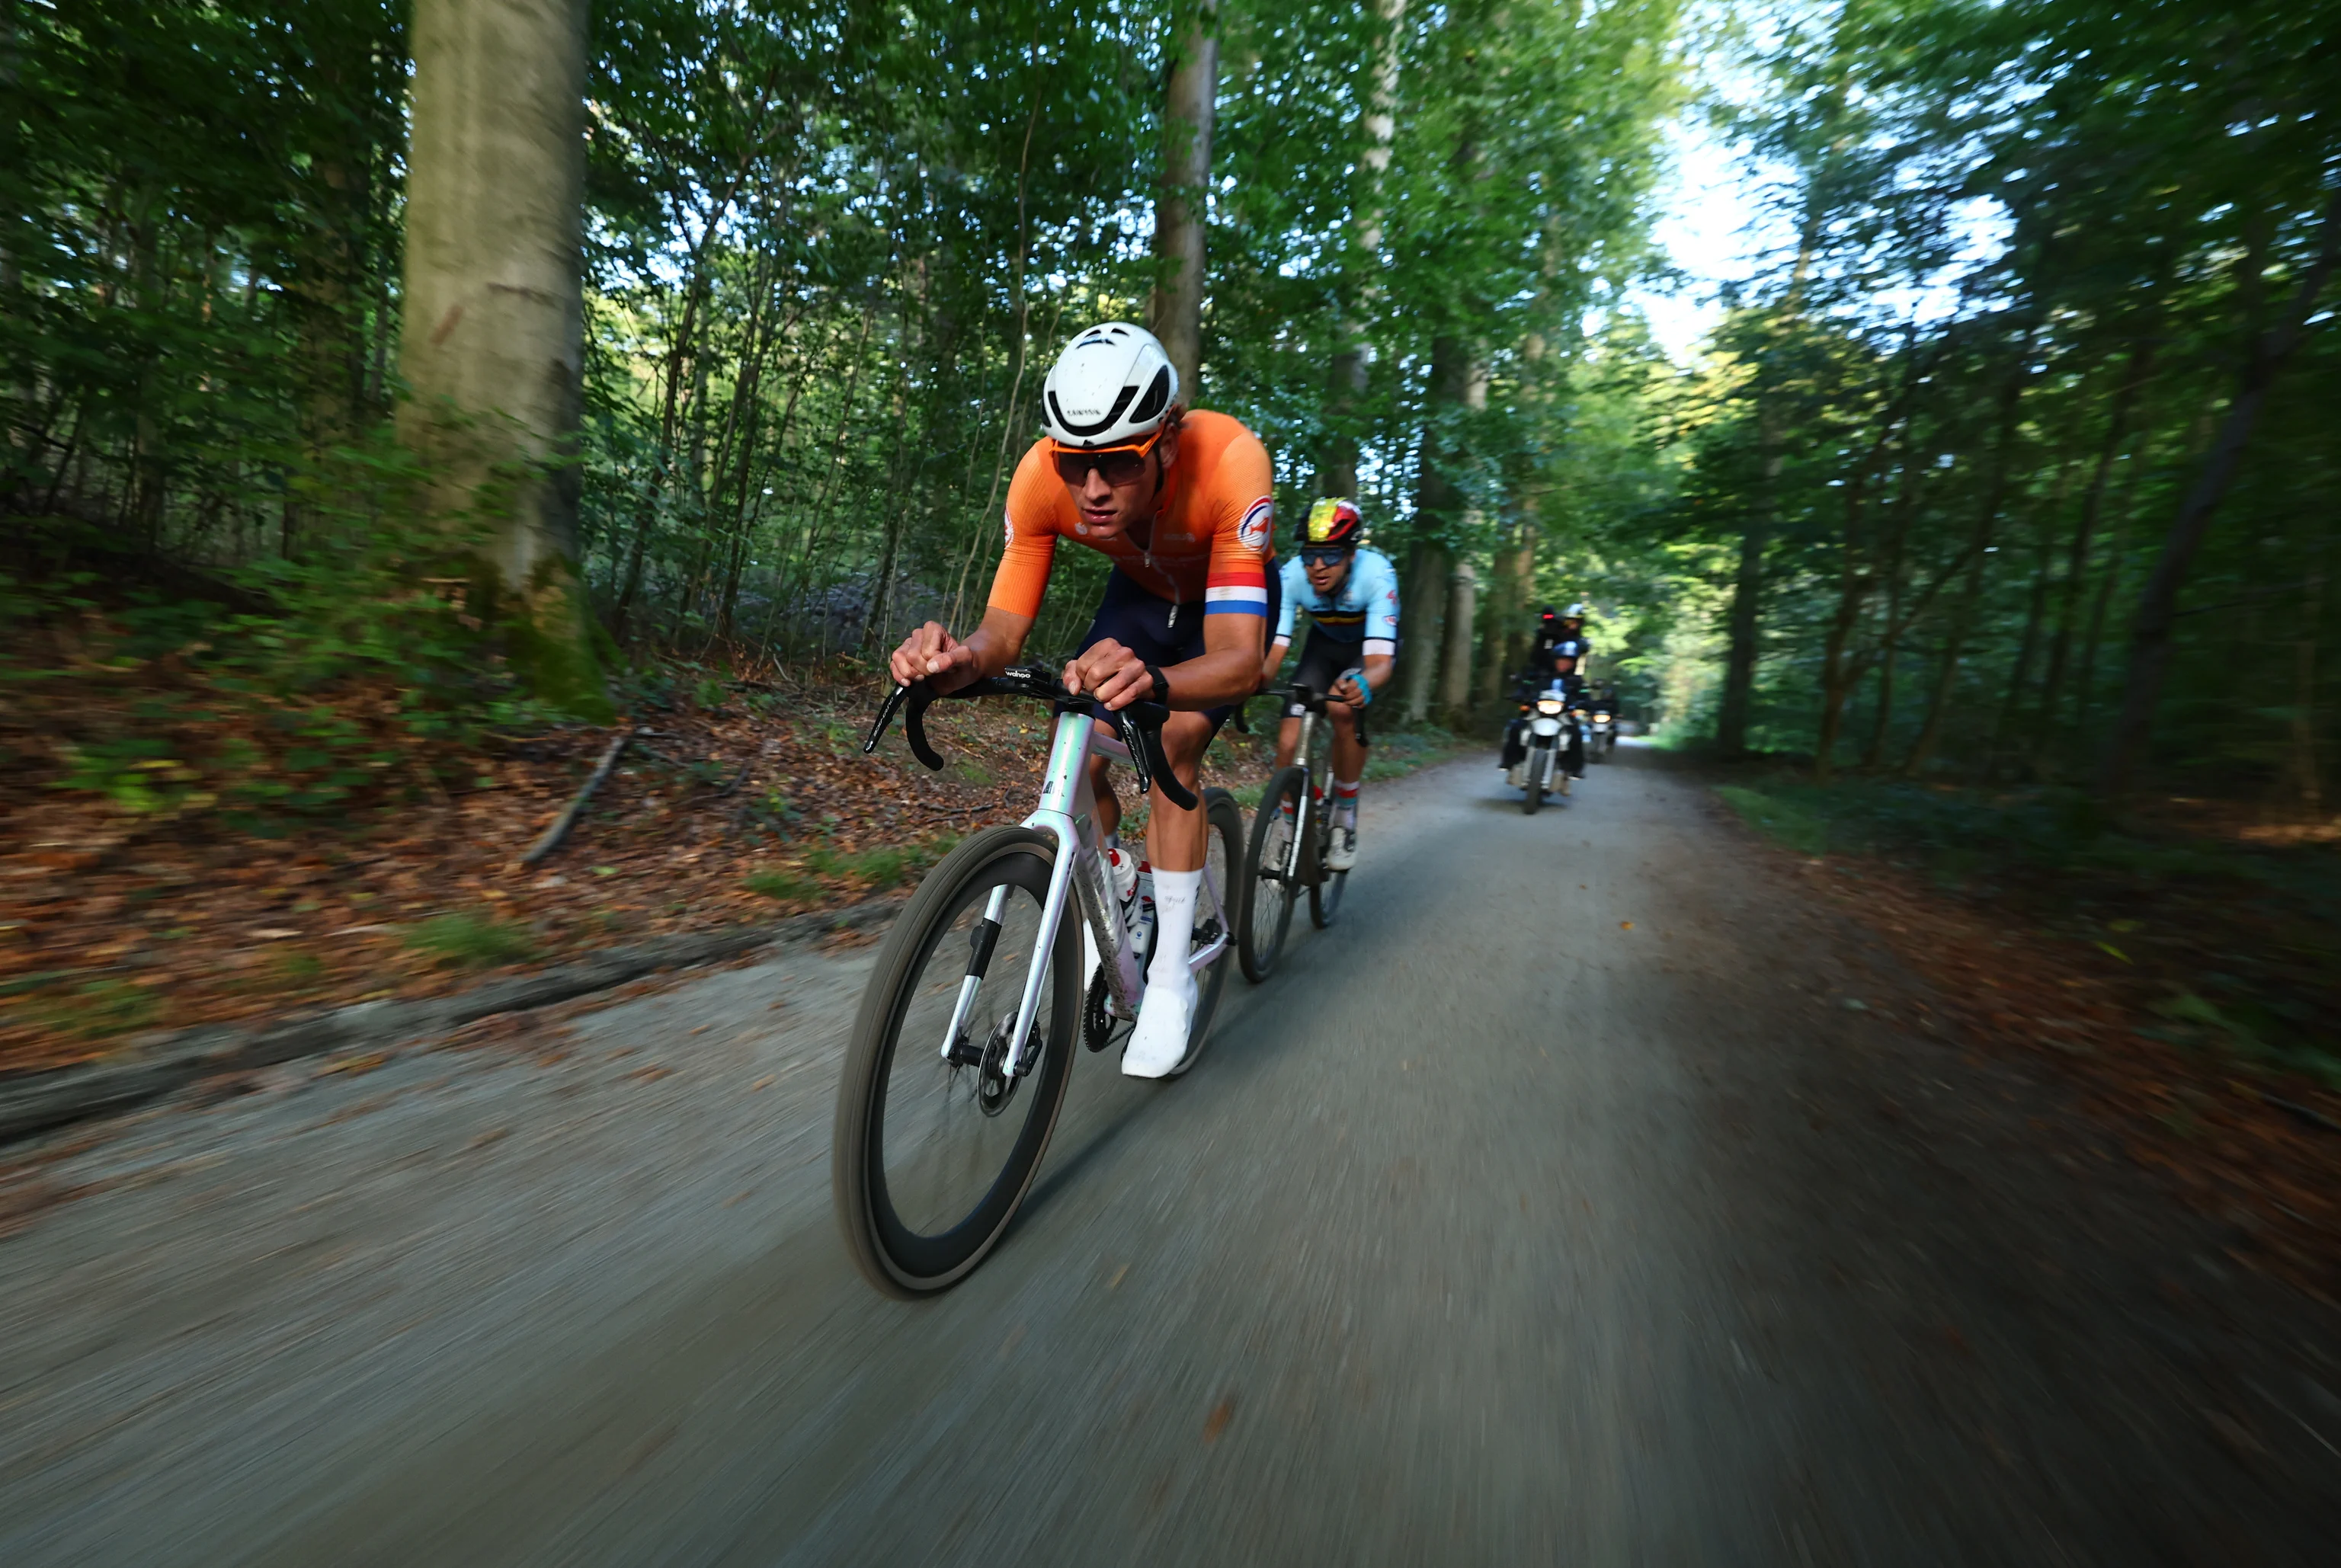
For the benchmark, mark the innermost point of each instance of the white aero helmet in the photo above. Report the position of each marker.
(1574, 612)
(1113, 385)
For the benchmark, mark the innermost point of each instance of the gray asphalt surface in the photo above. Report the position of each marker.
(1492, 1230)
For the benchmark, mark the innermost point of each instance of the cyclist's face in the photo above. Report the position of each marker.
(1108, 508)
(1325, 573)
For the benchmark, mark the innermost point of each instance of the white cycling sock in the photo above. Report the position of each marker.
(1345, 802)
(1158, 1042)
(1175, 893)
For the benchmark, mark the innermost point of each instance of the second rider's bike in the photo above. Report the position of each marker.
(1291, 833)
(963, 1043)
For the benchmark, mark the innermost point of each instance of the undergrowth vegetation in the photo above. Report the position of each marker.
(2232, 946)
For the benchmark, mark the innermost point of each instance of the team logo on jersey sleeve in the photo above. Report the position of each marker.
(1008, 526)
(1253, 531)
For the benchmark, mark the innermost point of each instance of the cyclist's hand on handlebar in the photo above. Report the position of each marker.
(933, 655)
(1111, 673)
(1346, 690)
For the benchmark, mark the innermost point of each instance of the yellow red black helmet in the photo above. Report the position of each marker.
(1335, 520)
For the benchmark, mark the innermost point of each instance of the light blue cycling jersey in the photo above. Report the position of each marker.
(1365, 605)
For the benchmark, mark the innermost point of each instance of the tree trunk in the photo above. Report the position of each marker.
(1740, 660)
(1455, 680)
(1337, 472)
(2028, 644)
(2308, 777)
(1455, 387)
(1182, 208)
(2158, 607)
(494, 332)
(1427, 590)
(1506, 642)
(2085, 531)
(2011, 397)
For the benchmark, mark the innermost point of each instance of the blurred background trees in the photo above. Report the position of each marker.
(2014, 463)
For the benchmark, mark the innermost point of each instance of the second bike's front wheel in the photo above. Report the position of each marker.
(1263, 901)
(1325, 888)
(1223, 863)
(937, 1140)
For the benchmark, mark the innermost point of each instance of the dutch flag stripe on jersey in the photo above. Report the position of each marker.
(1235, 593)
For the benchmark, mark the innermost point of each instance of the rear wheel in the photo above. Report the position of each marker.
(1271, 882)
(1222, 854)
(936, 1142)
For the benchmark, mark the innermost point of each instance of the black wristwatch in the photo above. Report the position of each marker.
(1161, 692)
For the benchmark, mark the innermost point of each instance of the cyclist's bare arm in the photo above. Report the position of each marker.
(1229, 670)
(932, 654)
(1277, 648)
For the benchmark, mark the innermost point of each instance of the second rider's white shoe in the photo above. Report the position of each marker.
(1158, 1043)
(1342, 852)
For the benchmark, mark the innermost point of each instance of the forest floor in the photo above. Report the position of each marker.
(736, 802)
(2182, 971)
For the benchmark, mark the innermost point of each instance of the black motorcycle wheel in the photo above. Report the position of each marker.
(1535, 795)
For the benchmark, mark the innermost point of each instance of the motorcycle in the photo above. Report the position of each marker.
(1543, 769)
(1600, 729)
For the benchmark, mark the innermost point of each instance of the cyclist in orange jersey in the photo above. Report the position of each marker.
(1183, 503)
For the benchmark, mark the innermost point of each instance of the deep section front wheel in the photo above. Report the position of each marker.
(1271, 875)
(936, 1142)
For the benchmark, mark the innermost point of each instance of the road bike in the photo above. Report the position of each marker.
(963, 1043)
(1291, 833)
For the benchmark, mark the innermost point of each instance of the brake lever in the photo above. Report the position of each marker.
(1140, 724)
(885, 716)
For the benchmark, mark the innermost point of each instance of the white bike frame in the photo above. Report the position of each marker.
(1068, 810)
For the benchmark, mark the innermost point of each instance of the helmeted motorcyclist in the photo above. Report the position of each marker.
(1560, 653)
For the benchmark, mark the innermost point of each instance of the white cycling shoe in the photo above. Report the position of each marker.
(1342, 852)
(1165, 1019)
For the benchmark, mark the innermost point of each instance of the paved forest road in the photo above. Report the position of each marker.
(1491, 1232)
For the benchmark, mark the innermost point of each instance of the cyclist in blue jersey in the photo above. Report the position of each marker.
(1351, 596)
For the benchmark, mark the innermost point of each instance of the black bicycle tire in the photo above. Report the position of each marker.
(1325, 896)
(869, 1056)
(1222, 816)
(1322, 905)
(1291, 781)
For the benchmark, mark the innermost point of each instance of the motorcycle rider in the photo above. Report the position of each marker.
(1350, 594)
(1560, 652)
(1183, 503)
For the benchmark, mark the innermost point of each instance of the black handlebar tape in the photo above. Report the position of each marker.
(914, 728)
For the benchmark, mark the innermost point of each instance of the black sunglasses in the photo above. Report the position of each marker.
(1324, 554)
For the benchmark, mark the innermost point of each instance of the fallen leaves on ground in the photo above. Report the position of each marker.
(114, 925)
(2259, 1150)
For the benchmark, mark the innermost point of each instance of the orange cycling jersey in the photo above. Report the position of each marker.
(1210, 533)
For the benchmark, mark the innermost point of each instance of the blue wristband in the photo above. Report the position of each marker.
(1367, 691)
